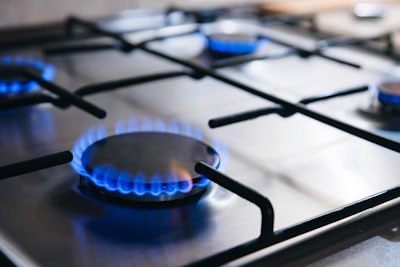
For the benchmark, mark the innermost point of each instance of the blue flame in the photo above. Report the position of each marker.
(234, 48)
(14, 86)
(114, 180)
(388, 98)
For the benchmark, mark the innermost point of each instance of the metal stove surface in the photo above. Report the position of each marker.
(304, 167)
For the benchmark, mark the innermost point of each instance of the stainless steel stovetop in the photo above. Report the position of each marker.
(304, 167)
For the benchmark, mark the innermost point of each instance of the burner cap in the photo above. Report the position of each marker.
(147, 160)
(233, 43)
(13, 81)
(383, 107)
(389, 93)
(148, 166)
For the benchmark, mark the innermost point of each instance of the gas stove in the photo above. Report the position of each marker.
(200, 138)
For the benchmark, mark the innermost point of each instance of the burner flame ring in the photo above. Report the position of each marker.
(172, 179)
(11, 82)
(389, 92)
(233, 43)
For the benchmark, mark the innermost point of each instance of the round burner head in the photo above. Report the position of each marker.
(148, 166)
(233, 43)
(12, 79)
(383, 107)
(389, 93)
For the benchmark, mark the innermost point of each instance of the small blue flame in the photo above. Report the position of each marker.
(234, 48)
(14, 86)
(388, 98)
(114, 180)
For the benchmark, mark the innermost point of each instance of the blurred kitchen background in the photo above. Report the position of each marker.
(30, 12)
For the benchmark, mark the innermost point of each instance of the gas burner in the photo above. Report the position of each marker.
(389, 95)
(12, 80)
(233, 43)
(384, 106)
(148, 161)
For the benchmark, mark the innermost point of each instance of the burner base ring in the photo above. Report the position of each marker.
(88, 188)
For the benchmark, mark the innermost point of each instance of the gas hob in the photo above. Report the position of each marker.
(277, 114)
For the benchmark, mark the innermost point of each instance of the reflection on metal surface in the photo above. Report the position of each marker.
(16, 125)
(134, 232)
(126, 233)
(392, 235)
(218, 197)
